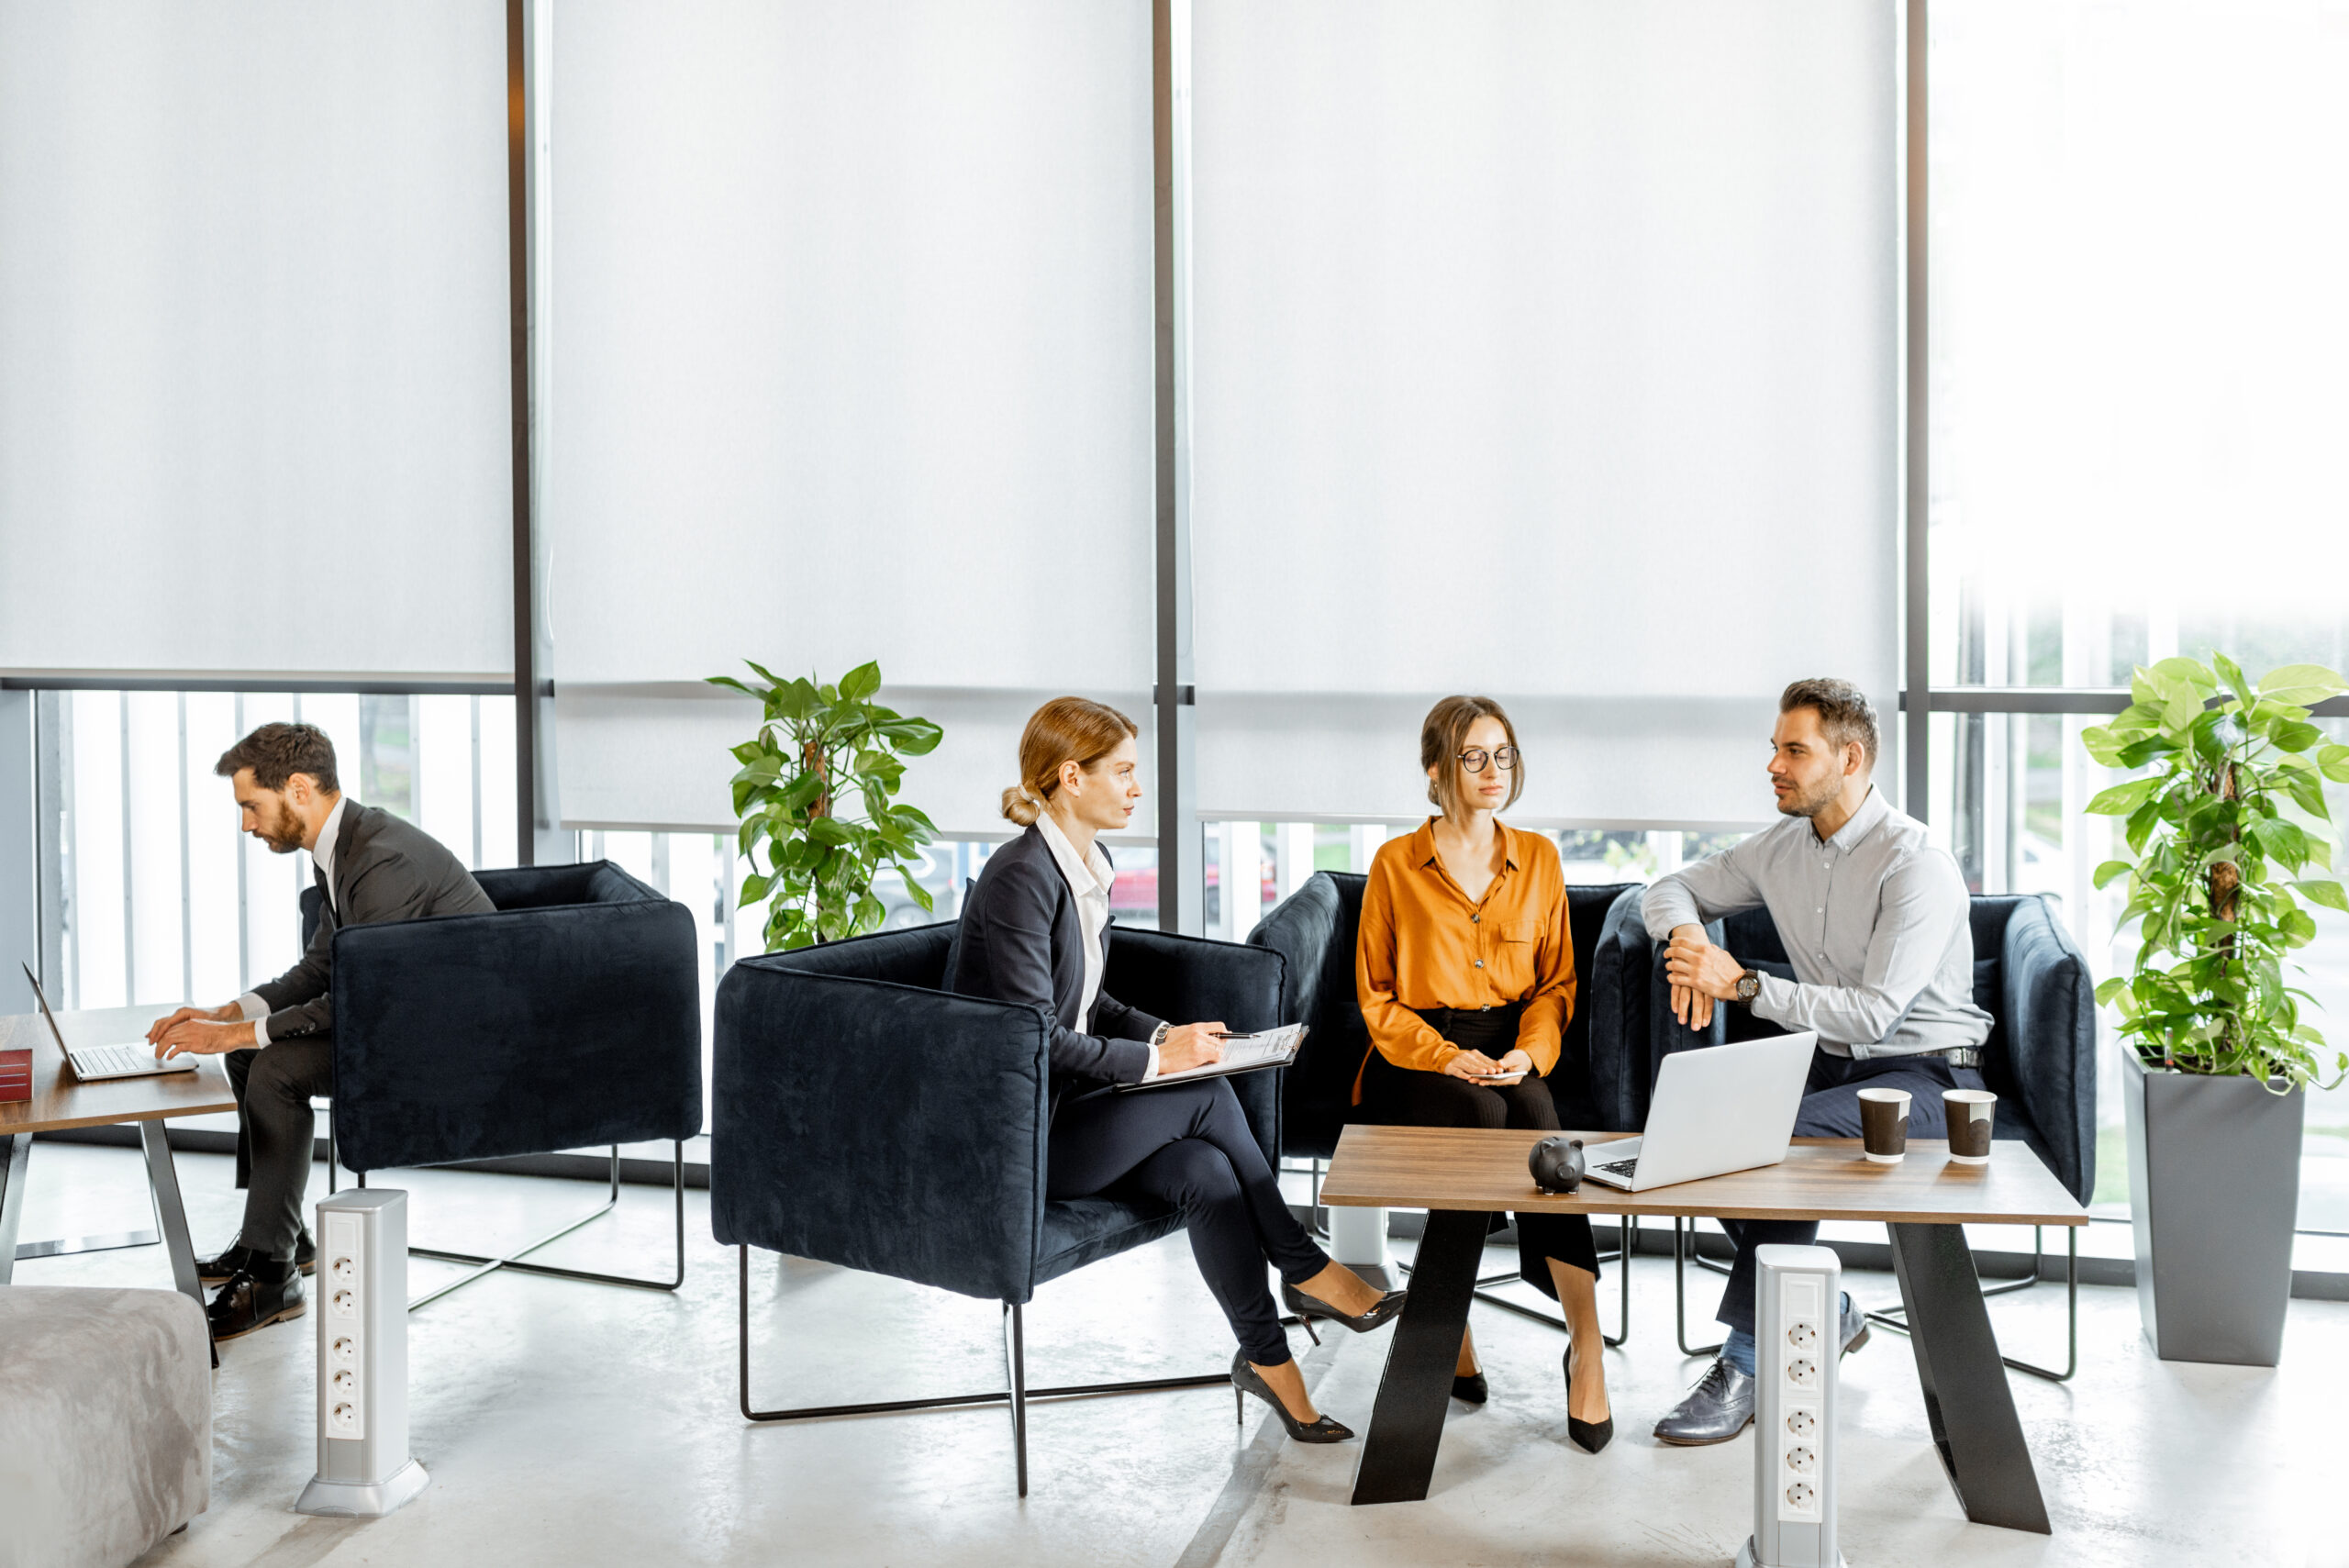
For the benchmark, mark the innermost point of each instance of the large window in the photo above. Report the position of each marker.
(2136, 330)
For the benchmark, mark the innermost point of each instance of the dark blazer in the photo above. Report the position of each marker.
(1021, 941)
(385, 868)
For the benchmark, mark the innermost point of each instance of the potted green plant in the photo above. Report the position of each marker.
(820, 748)
(2220, 831)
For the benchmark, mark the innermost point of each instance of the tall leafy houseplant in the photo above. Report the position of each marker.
(2221, 833)
(821, 748)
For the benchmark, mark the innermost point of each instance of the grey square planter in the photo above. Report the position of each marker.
(2214, 1173)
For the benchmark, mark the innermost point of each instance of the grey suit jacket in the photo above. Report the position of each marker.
(385, 868)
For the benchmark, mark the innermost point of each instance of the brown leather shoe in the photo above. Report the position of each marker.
(245, 1304)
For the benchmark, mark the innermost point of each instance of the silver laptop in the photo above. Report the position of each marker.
(134, 1058)
(1718, 1110)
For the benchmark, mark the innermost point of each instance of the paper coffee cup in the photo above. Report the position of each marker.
(1883, 1125)
(1969, 1112)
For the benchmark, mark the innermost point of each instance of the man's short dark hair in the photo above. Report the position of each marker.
(276, 752)
(1844, 711)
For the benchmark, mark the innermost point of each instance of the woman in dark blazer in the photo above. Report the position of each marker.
(1035, 930)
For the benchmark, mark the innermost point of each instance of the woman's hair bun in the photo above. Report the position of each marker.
(1022, 807)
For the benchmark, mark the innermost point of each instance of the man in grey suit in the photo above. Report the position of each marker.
(279, 1036)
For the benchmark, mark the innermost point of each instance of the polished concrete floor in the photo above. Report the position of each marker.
(582, 1425)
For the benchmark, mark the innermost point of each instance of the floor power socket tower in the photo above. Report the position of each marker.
(1797, 1311)
(364, 1468)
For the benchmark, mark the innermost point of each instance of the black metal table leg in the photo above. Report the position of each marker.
(1407, 1421)
(1971, 1408)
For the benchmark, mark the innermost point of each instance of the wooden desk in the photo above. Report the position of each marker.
(61, 1101)
(1461, 1175)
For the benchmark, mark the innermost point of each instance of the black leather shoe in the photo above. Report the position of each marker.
(1589, 1436)
(245, 1304)
(1383, 1311)
(1852, 1330)
(1470, 1387)
(1245, 1380)
(234, 1258)
(1717, 1409)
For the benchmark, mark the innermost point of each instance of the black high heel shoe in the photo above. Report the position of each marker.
(1245, 1380)
(1470, 1387)
(1385, 1310)
(1588, 1436)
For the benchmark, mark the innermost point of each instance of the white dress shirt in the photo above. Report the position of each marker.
(255, 1010)
(1090, 878)
(1875, 921)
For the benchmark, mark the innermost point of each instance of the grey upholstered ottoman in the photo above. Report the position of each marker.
(106, 1423)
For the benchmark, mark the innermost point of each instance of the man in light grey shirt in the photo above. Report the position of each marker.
(1876, 924)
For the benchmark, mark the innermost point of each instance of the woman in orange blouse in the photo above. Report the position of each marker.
(1467, 977)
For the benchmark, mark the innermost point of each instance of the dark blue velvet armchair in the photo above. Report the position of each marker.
(570, 1018)
(1314, 932)
(867, 1119)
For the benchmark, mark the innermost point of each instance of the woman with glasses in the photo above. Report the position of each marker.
(1466, 977)
(1035, 931)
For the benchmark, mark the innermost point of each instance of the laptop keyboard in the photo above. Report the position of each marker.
(111, 1059)
(1623, 1168)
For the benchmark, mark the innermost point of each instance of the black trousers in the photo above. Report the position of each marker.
(1404, 1096)
(1830, 1108)
(1189, 1145)
(276, 1133)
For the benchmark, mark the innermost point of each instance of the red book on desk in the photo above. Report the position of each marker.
(15, 1075)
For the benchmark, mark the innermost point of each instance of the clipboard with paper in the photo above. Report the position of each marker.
(1241, 1054)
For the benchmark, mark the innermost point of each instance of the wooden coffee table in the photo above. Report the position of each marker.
(1461, 1175)
(60, 1101)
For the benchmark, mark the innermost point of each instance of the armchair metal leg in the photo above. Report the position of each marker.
(1016, 1364)
(1017, 1395)
(1680, 1292)
(489, 1265)
(1895, 1317)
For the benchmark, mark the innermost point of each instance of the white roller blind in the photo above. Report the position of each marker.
(852, 313)
(254, 338)
(1546, 352)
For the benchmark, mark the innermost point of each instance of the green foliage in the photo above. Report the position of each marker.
(820, 746)
(2221, 833)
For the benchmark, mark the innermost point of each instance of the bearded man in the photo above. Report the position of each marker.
(279, 1038)
(1876, 924)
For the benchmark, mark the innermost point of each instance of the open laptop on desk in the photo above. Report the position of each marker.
(133, 1058)
(1717, 1109)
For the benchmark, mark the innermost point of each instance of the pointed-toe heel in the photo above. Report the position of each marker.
(1245, 1380)
(1385, 1310)
(1588, 1436)
(1469, 1386)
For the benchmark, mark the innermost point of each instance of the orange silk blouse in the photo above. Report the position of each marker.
(1425, 944)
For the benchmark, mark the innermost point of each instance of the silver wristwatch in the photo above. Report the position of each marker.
(1749, 986)
(1158, 1035)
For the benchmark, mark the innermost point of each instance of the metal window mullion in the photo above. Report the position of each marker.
(129, 924)
(187, 878)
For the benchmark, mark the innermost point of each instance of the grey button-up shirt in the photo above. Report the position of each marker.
(1874, 920)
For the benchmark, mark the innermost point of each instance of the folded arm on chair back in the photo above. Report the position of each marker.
(880, 1124)
(1189, 980)
(545, 1026)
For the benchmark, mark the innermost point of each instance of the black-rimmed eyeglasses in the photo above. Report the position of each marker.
(1476, 759)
